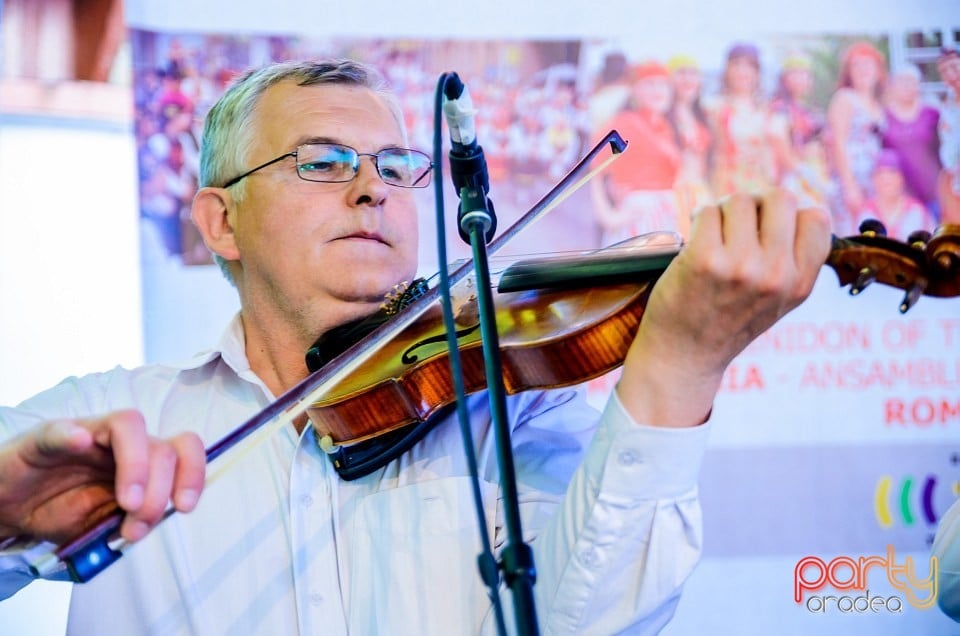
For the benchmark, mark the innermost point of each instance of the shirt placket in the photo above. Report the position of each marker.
(320, 605)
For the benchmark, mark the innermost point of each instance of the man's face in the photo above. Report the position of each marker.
(949, 69)
(307, 246)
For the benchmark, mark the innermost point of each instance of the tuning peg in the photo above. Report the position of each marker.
(918, 238)
(944, 251)
(873, 227)
(914, 292)
(864, 278)
(946, 262)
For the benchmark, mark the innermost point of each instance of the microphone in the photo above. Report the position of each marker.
(460, 112)
(468, 166)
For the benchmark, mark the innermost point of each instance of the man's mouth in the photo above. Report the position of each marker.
(367, 236)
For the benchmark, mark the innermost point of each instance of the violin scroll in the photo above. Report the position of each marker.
(926, 264)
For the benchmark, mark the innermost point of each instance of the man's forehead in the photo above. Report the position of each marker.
(297, 111)
(291, 94)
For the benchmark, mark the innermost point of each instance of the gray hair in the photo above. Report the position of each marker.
(227, 130)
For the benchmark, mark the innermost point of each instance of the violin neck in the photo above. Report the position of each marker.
(604, 267)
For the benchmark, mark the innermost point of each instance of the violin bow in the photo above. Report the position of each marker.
(101, 545)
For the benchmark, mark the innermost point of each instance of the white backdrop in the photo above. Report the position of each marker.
(70, 299)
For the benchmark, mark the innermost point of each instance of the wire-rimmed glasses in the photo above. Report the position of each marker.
(337, 163)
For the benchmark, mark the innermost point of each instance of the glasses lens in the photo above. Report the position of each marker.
(403, 167)
(327, 162)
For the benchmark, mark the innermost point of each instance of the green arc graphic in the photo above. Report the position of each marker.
(905, 501)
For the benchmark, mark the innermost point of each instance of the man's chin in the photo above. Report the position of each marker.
(364, 300)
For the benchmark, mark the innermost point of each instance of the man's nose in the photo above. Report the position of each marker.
(369, 188)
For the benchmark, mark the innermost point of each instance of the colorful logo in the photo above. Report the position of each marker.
(907, 501)
(813, 574)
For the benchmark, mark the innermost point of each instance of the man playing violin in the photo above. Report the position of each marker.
(306, 201)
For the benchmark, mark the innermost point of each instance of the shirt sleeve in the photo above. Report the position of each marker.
(18, 560)
(612, 552)
(946, 548)
(74, 397)
(17, 556)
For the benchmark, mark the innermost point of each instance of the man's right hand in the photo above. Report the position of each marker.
(61, 477)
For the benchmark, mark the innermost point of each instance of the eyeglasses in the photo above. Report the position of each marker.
(336, 163)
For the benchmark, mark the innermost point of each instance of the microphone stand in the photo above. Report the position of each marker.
(516, 556)
(477, 225)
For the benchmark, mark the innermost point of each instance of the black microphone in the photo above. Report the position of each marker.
(468, 166)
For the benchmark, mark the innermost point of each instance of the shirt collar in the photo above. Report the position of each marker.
(231, 348)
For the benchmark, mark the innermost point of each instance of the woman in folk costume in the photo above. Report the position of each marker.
(805, 170)
(948, 185)
(635, 194)
(750, 139)
(854, 119)
(892, 203)
(910, 129)
(690, 119)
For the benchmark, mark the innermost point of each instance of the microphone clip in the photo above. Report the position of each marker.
(472, 182)
(468, 166)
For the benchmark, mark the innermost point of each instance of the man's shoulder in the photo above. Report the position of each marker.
(116, 388)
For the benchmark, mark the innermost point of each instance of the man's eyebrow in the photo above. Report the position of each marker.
(318, 140)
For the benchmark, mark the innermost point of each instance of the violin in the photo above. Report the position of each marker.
(565, 320)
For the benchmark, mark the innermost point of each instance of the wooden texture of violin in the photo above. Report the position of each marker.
(548, 339)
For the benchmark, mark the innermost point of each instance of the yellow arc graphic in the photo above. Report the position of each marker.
(880, 506)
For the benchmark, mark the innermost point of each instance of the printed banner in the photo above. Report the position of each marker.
(836, 433)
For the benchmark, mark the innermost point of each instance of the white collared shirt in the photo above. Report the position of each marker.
(281, 545)
(946, 548)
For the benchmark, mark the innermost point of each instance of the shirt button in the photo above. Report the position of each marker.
(628, 457)
(306, 501)
(316, 598)
(589, 558)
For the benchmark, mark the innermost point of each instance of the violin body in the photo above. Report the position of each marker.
(547, 340)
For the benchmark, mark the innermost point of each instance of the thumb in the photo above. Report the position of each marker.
(812, 245)
(60, 437)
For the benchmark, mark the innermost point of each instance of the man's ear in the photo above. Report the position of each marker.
(211, 212)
